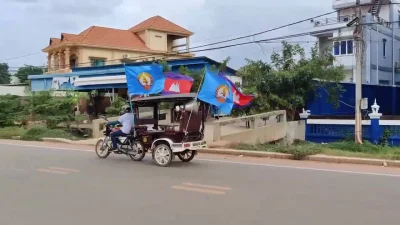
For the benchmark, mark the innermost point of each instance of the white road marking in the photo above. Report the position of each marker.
(301, 168)
(207, 191)
(52, 171)
(233, 162)
(208, 186)
(46, 147)
(64, 169)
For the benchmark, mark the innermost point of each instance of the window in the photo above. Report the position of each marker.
(336, 50)
(384, 47)
(350, 47)
(97, 62)
(343, 47)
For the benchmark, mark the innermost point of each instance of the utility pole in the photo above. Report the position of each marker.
(359, 52)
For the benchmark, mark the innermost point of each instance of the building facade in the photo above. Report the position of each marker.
(153, 39)
(380, 57)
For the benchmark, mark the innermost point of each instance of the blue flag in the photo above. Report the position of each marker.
(144, 80)
(218, 92)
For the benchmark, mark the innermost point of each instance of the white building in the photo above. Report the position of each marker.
(381, 56)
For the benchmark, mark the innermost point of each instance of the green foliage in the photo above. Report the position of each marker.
(115, 107)
(23, 72)
(289, 80)
(5, 77)
(166, 67)
(197, 76)
(385, 137)
(10, 109)
(54, 110)
(38, 133)
(299, 150)
(9, 132)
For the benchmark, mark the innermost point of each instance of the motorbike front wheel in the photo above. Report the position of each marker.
(102, 148)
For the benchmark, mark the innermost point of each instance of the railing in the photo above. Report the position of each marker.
(332, 20)
(332, 130)
(382, 22)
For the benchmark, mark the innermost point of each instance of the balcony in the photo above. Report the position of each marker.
(332, 20)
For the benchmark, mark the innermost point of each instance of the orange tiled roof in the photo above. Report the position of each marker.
(70, 37)
(160, 23)
(104, 36)
(54, 41)
(110, 37)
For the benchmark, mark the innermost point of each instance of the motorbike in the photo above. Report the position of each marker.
(127, 145)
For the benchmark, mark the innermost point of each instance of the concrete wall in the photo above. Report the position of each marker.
(157, 40)
(86, 53)
(288, 131)
(13, 90)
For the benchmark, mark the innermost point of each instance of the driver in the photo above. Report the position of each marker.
(127, 121)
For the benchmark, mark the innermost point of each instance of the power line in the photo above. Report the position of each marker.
(22, 56)
(270, 40)
(266, 31)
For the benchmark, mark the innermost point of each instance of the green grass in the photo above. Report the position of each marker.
(38, 133)
(9, 132)
(35, 133)
(346, 148)
(299, 149)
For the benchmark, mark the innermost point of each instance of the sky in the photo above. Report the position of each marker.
(27, 25)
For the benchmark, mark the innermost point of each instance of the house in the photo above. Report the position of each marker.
(152, 39)
(380, 55)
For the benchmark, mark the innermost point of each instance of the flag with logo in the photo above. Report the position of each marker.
(144, 80)
(217, 91)
(240, 100)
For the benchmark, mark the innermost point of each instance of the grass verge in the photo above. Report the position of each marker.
(345, 149)
(9, 132)
(34, 134)
(38, 133)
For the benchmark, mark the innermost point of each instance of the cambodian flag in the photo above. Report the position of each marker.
(144, 80)
(217, 91)
(240, 100)
(177, 83)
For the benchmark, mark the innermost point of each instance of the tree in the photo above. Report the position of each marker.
(10, 108)
(5, 77)
(290, 79)
(164, 64)
(23, 72)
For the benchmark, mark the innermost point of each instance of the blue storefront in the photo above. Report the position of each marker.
(108, 77)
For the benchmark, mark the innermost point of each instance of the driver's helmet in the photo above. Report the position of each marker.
(125, 109)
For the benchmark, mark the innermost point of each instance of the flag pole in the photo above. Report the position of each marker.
(198, 91)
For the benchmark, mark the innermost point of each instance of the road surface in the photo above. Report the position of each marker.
(42, 184)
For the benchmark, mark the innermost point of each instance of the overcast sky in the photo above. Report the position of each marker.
(27, 25)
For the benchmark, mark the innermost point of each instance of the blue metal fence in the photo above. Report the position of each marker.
(385, 95)
(325, 133)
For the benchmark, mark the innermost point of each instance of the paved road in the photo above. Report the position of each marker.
(53, 185)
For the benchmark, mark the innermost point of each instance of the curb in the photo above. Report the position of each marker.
(274, 155)
(57, 140)
(316, 158)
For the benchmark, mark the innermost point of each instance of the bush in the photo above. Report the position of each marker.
(38, 133)
(299, 150)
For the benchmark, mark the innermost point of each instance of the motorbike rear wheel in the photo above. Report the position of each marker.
(137, 148)
(102, 149)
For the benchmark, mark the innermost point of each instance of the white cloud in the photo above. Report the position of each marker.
(27, 25)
